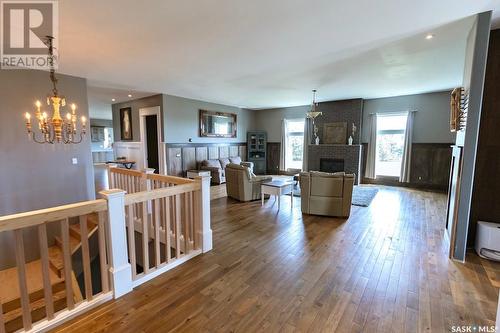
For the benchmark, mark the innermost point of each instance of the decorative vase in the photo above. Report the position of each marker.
(350, 140)
(317, 140)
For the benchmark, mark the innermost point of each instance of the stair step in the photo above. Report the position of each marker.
(75, 231)
(56, 259)
(74, 243)
(13, 319)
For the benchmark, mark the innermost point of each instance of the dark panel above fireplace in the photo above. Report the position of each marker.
(331, 164)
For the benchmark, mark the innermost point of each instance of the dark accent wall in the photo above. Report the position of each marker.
(349, 111)
(486, 190)
(135, 105)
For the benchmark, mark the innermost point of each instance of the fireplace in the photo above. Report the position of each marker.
(331, 164)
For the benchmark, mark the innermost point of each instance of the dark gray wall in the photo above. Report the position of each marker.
(181, 120)
(136, 104)
(431, 123)
(34, 176)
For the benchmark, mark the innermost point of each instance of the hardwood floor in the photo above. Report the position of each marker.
(384, 270)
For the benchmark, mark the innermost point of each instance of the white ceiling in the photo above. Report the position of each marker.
(101, 98)
(263, 53)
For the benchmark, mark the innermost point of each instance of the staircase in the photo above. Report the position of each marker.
(56, 251)
(9, 292)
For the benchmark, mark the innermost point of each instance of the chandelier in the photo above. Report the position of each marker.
(312, 114)
(55, 129)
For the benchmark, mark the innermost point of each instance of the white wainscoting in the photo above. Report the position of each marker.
(131, 150)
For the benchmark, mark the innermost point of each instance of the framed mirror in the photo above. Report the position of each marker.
(217, 124)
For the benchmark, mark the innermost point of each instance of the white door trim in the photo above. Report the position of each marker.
(151, 111)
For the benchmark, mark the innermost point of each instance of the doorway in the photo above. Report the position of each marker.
(152, 149)
(152, 160)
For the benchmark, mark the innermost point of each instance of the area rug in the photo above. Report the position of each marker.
(363, 195)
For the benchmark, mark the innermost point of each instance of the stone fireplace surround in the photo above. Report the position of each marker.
(350, 154)
(349, 111)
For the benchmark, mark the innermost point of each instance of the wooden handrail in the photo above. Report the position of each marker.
(37, 217)
(127, 172)
(169, 179)
(161, 193)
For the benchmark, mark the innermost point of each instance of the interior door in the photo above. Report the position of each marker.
(152, 160)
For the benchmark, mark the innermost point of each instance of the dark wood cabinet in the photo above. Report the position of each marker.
(257, 151)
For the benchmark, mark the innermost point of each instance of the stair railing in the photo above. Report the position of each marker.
(169, 217)
(46, 289)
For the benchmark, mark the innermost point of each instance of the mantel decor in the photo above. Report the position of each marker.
(217, 124)
(335, 133)
(55, 129)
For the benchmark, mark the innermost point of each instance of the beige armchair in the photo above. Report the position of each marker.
(242, 184)
(326, 193)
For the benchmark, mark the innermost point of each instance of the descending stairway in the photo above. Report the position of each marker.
(9, 292)
(56, 251)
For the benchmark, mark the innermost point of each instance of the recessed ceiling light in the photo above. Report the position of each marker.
(112, 100)
(429, 36)
(129, 95)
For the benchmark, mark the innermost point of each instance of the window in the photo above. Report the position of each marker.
(294, 143)
(390, 144)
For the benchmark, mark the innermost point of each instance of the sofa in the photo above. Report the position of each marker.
(242, 184)
(327, 194)
(217, 167)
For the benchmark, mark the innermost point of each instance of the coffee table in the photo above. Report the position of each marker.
(277, 188)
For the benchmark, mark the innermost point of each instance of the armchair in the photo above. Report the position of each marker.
(242, 184)
(217, 167)
(326, 193)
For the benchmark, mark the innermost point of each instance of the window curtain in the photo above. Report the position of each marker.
(404, 176)
(372, 148)
(307, 141)
(283, 145)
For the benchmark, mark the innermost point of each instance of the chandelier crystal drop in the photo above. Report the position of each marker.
(55, 129)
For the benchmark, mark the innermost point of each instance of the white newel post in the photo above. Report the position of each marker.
(206, 229)
(119, 267)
